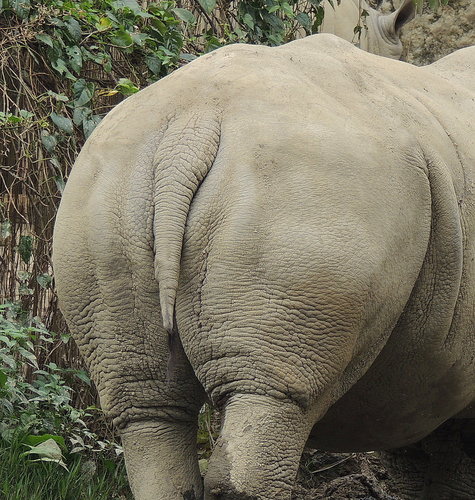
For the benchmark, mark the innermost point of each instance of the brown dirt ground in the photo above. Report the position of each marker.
(324, 476)
(434, 34)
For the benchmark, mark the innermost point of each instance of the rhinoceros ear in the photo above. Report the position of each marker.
(395, 21)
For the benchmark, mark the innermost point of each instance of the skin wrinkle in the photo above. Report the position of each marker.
(266, 372)
(451, 332)
(435, 269)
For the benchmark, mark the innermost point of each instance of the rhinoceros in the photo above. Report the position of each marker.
(288, 232)
(357, 22)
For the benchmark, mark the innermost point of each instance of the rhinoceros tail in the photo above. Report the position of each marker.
(183, 158)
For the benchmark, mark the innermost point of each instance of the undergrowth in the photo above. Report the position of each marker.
(87, 478)
(47, 449)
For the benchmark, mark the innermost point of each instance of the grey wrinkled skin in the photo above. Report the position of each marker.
(305, 215)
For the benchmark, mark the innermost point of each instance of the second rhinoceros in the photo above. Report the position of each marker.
(368, 28)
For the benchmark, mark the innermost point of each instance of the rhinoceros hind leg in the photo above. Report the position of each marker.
(451, 474)
(407, 468)
(440, 467)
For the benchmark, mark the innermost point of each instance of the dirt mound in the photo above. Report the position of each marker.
(434, 34)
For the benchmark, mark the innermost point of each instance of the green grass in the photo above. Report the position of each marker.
(89, 478)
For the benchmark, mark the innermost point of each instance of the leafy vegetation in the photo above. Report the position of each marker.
(46, 448)
(87, 478)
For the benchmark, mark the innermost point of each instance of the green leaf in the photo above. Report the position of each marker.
(184, 15)
(60, 66)
(80, 114)
(55, 162)
(63, 123)
(319, 15)
(74, 28)
(160, 29)
(57, 22)
(89, 125)
(65, 338)
(304, 20)
(122, 38)
(85, 96)
(32, 440)
(139, 38)
(153, 63)
(29, 356)
(108, 66)
(60, 183)
(24, 275)
(49, 141)
(25, 248)
(248, 21)
(25, 114)
(14, 119)
(287, 9)
(82, 375)
(208, 5)
(58, 97)
(78, 86)
(25, 290)
(3, 379)
(21, 8)
(100, 58)
(104, 24)
(275, 21)
(187, 57)
(44, 280)
(44, 38)
(5, 229)
(75, 58)
(48, 451)
(126, 87)
(126, 4)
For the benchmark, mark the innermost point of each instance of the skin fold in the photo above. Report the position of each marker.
(289, 233)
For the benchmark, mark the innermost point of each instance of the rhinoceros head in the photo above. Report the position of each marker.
(379, 33)
(382, 36)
